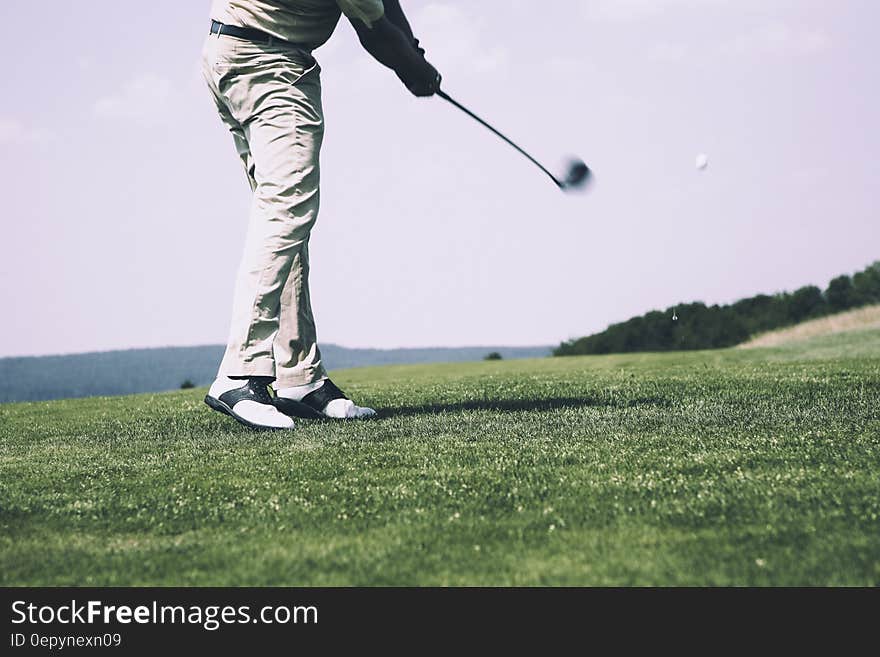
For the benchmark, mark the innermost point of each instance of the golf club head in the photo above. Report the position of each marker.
(577, 175)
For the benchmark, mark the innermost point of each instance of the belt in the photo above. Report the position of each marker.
(247, 33)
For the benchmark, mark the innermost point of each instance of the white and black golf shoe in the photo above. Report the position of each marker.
(248, 401)
(320, 400)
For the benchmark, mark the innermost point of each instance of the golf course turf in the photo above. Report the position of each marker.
(732, 467)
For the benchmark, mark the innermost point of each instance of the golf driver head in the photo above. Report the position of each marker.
(577, 175)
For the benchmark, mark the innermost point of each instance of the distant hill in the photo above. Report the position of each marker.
(698, 326)
(131, 371)
(859, 319)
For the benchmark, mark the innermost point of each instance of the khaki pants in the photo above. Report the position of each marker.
(270, 97)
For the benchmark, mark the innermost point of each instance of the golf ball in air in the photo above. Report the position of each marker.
(702, 161)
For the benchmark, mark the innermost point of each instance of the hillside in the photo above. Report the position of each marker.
(860, 319)
(695, 325)
(728, 467)
(155, 370)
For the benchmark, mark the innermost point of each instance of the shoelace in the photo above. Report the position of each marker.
(260, 389)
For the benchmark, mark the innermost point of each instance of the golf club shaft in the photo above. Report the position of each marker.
(464, 109)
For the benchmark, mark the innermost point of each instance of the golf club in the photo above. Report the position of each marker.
(575, 176)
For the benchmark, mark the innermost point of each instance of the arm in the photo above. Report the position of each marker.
(394, 13)
(396, 48)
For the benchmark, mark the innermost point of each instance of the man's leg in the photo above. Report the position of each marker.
(273, 99)
(275, 96)
(297, 356)
(270, 99)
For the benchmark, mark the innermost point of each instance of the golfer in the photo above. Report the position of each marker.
(259, 67)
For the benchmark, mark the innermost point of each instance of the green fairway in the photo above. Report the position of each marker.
(734, 467)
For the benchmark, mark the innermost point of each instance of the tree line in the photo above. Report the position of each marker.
(699, 326)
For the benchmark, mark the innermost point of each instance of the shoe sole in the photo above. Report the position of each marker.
(224, 408)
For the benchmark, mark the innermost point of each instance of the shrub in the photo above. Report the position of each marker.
(840, 294)
(805, 302)
(866, 285)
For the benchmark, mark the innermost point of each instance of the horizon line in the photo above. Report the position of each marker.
(221, 345)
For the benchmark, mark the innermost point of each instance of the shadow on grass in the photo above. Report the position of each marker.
(518, 405)
(503, 405)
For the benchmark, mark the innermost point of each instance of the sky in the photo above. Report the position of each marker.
(124, 205)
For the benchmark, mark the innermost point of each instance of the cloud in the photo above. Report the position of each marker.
(491, 60)
(779, 39)
(668, 53)
(457, 40)
(635, 10)
(13, 131)
(144, 99)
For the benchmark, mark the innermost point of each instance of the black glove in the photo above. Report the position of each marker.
(425, 88)
(424, 82)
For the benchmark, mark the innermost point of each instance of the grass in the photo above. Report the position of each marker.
(866, 317)
(735, 467)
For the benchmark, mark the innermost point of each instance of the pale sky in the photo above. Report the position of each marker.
(124, 205)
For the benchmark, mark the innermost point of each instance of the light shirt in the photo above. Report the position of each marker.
(308, 23)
